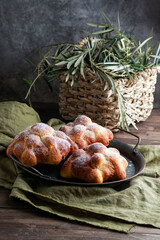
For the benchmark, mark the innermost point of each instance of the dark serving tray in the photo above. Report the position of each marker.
(136, 164)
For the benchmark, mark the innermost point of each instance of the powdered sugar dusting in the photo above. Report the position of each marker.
(84, 132)
(42, 141)
(96, 164)
(41, 129)
(62, 144)
(82, 120)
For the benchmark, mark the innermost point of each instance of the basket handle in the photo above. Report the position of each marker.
(138, 138)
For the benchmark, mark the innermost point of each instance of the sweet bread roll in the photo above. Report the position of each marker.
(95, 164)
(40, 143)
(84, 132)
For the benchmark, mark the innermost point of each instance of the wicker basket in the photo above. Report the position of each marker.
(90, 98)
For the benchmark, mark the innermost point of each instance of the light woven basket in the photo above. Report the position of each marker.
(90, 98)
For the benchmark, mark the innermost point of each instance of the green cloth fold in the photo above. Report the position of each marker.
(118, 208)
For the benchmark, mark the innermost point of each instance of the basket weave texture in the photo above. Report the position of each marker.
(90, 98)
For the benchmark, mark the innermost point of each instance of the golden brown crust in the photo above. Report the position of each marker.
(95, 164)
(40, 143)
(84, 132)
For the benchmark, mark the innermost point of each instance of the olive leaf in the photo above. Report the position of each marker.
(108, 52)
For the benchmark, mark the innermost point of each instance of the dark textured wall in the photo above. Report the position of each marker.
(27, 25)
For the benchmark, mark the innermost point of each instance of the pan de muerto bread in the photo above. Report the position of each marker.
(95, 164)
(40, 143)
(84, 132)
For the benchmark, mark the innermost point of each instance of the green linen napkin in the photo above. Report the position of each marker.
(118, 208)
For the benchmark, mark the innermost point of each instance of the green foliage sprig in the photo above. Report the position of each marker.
(108, 52)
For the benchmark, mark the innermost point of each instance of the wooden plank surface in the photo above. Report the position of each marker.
(20, 221)
(148, 131)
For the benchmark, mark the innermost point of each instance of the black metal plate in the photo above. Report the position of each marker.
(136, 164)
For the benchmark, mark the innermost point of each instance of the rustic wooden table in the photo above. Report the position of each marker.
(18, 220)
